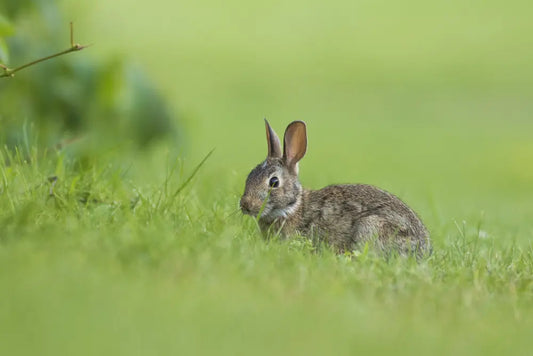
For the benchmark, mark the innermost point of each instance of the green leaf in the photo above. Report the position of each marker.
(4, 52)
(6, 29)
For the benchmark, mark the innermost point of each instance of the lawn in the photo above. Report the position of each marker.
(122, 254)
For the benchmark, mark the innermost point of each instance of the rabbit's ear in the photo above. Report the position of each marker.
(274, 147)
(295, 145)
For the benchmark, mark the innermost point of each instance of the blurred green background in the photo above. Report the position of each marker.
(429, 100)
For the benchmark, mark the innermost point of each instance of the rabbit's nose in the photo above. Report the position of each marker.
(246, 205)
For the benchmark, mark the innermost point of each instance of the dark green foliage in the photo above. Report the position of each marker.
(71, 97)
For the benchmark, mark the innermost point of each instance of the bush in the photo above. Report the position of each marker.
(110, 102)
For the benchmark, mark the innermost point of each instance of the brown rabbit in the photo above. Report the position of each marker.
(345, 216)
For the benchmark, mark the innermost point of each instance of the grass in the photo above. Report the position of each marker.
(429, 101)
(109, 265)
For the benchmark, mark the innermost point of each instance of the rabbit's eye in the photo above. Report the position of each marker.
(273, 182)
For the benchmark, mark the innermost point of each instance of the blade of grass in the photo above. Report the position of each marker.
(256, 218)
(191, 176)
(163, 192)
(263, 206)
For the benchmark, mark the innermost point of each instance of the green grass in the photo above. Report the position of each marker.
(431, 101)
(112, 265)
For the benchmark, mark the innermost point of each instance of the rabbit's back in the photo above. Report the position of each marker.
(348, 215)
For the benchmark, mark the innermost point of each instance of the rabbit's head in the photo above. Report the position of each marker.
(273, 185)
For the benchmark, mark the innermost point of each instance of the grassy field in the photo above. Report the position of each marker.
(122, 255)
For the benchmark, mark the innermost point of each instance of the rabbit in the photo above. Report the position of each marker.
(344, 216)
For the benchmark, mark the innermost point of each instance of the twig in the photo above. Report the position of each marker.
(74, 47)
(71, 35)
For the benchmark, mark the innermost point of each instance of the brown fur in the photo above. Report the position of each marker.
(344, 216)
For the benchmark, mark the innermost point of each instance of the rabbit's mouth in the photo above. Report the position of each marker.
(248, 206)
(246, 211)
(252, 207)
(255, 212)
(267, 213)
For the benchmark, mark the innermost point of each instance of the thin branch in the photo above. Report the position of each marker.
(71, 35)
(74, 47)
